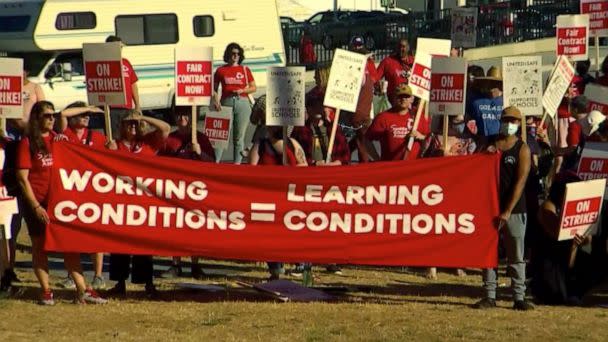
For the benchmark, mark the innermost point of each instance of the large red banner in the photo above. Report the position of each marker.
(433, 212)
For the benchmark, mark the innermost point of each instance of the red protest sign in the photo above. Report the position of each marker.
(593, 168)
(598, 16)
(598, 97)
(420, 78)
(104, 77)
(581, 212)
(11, 88)
(448, 86)
(193, 76)
(104, 74)
(572, 36)
(581, 208)
(217, 127)
(437, 211)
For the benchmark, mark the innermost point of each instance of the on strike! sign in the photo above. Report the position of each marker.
(11, 85)
(218, 127)
(103, 72)
(420, 78)
(436, 211)
(581, 208)
(562, 75)
(448, 86)
(594, 161)
(193, 76)
(598, 97)
(573, 36)
(598, 16)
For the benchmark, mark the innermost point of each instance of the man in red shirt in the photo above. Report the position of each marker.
(394, 127)
(578, 109)
(131, 92)
(396, 68)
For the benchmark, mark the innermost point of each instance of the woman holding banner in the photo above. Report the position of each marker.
(34, 163)
(133, 140)
(237, 83)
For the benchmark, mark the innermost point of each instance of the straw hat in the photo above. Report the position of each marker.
(511, 112)
(493, 76)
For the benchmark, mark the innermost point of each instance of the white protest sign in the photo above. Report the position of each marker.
(448, 86)
(573, 36)
(562, 75)
(193, 76)
(285, 96)
(217, 126)
(8, 204)
(103, 72)
(598, 97)
(522, 83)
(11, 88)
(581, 209)
(420, 77)
(598, 16)
(434, 47)
(345, 80)
(464, 27)
(594, 161)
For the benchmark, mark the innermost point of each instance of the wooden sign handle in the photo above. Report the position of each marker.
(410, 143)
(194, 123)
(285, 142)
(2, 127)
(332, 138)
(108, 119)
(446, 123)
(597, 55)
(524, 129)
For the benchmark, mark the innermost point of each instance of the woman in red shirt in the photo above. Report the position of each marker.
(34, 162)
(237, 83)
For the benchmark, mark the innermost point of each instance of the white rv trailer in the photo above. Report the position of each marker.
(49, 35)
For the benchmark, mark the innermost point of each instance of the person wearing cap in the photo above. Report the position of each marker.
(460, 142)
(515, 165)
(486, 109)
(394, 128)
(179, 144)
(590, 130)
(396, 68)
(134, 140)
(131, 93)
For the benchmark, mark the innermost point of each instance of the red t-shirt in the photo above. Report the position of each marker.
(180, 146)
(97, 139)
(40, 166)
(391, 129)
(574, 134)
(232, 78)
(395, 71)
(370, 70)
(269, 156)
(563, 111)
(148, 146)
(3, 192)
(130, 78)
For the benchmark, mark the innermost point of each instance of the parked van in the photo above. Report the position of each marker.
(49, 36)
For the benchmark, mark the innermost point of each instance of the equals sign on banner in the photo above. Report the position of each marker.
(263, 212)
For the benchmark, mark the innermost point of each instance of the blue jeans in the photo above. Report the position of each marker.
(241, 111)
(514, 233)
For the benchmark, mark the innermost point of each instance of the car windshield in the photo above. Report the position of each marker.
(315, 19)
(34, 61)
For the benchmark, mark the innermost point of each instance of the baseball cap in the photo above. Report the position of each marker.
(356, 41)
(511, 112)
(591, 122)
(403, 89)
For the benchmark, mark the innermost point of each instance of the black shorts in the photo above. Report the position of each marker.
(35, 227)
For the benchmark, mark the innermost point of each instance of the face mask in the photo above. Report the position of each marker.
(508, 128)
(459, 128)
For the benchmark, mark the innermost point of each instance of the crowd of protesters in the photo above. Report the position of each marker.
(533, 172)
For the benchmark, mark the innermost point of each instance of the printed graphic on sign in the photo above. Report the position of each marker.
(103, 72)
(581, 208)
(598, 97)
(573, 36)
(218, 126)
(563, 72)
(345, 80)
(420, 79)
(598, 16)
(11, 85)
(193, 76)
(448, 86)
(594, 161)
(464, 27)
(522, 83)
(285, 90)
(434, 47)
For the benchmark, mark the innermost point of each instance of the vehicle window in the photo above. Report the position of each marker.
(149, 29)
(76, 21)
(75, 59)
(14, 23)
(32, 61)
(204, 26)
(316, 18)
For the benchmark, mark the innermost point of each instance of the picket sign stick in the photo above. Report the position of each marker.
(597, 54)
(332, 138)
(446, 120)
(285, 137)
(2, 127)
(524, 130)
(410, 143)
(106, 114)
(194, 123)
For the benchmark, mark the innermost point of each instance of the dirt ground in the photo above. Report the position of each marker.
(376, 304)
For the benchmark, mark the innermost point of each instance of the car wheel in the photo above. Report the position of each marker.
(328, 42)
(369, 42)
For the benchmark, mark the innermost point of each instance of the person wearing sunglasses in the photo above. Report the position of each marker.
(237, 83)
(34, 163)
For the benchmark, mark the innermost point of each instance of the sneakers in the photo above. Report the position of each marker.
(46, 298)
(67, 283)
(486, 303)
(174, 271)
(12, 275)
(522, 305)
(120, 289)
(90, 297)
(333, 268)
(151, 291)
(98, 283)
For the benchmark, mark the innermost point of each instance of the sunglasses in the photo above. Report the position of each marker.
(236, 53)
(48, 116)
(130, 123)
(401, 97)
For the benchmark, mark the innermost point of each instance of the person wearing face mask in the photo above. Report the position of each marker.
(460, 141)
(515, 164)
